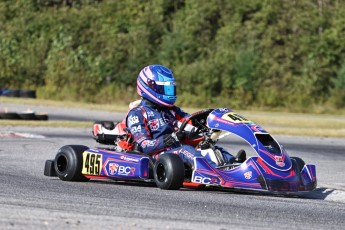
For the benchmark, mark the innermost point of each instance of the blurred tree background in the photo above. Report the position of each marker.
(285, 54)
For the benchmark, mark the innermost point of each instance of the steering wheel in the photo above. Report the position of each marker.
(198, 120)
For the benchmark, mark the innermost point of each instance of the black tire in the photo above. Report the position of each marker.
(27, 93)
(27, 116)
(69, 162)
(12, 93)
(169, 172)
(10, 116)
(41, 116)
(299, 163)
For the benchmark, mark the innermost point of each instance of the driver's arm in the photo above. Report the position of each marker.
(179, 115)
(192, 128)
(187, 138)
(137, 124)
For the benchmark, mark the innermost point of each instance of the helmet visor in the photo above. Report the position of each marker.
(168, 90)
(165, 88)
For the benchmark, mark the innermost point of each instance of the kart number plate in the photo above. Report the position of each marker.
(92, 163)
(235, 118)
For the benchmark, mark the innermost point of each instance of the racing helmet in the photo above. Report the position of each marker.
(157, 83)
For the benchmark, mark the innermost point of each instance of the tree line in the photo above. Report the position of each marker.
(241, 54)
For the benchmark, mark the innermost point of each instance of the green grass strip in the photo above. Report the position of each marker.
(273, 122)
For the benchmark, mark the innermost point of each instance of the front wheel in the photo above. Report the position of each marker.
(169, 172)
(69, 162)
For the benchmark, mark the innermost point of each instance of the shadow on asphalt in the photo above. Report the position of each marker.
(322, 193)
(318, 194)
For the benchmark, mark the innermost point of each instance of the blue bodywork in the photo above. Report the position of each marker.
(272, 170)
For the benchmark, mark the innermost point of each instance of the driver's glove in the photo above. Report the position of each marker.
(180, 135)
(170, 139)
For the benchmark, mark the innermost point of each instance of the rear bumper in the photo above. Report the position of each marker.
(49, 169)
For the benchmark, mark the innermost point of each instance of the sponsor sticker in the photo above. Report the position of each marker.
(125, 170)
(136, 129)
(148, 143)
(132, 120)
(150, 114)
(279, 161)
(248, 175)
(139, 138)
(126, 158)
(187, 154)
(205, 180)
(224, 110)
(154, 124)
(113, 168)
(202, 180)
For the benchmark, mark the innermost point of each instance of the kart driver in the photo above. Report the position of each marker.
(153, 122)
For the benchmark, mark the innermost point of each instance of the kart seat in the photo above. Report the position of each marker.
(110, 133)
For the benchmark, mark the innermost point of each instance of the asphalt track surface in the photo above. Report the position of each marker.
(29, 200)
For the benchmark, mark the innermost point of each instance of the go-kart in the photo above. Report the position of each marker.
(271, 171)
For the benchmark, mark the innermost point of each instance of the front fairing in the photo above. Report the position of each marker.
(254, 174)
(268, 149)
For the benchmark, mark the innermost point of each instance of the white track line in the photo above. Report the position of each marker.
(11, 134)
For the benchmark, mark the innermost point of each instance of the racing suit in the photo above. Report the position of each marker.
(150, 124)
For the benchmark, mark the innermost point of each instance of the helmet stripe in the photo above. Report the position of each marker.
(143, 76)
(148, 72)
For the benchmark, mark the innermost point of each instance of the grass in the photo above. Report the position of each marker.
(65, 104)
(301, 121)
(300, 124)
(274, 122)
(338, 133)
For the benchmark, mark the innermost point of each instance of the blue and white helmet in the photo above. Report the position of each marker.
(157, 84)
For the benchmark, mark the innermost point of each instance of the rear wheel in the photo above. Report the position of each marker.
(69, 162)
(169, 172)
